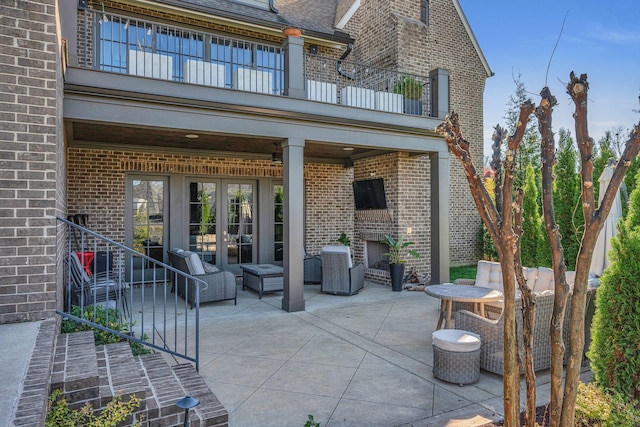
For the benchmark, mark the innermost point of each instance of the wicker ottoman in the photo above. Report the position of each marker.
(456, 356)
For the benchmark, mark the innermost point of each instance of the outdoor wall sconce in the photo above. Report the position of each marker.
(313, 49)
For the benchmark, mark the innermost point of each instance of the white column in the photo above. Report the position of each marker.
(440, 217)
(293, 183)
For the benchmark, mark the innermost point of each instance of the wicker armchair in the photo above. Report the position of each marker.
(491, 333)
(312, 269)
(221, 285)
(339, 275)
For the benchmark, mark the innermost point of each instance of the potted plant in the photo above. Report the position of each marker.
(396, 260)
(292, 31)
(344, 239)
(411, 90)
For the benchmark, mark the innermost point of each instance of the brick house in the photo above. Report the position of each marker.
(130, 110)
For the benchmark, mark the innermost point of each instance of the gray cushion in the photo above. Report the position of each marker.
(195, 263)
(209, 268)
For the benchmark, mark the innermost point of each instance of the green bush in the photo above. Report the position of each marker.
(102, 337)
(116, 412)
(311, 422)
(567, 198)
(489, 251)
(614, 351)
(595, 408)
(533, 247)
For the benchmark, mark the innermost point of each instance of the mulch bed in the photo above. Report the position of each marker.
(542, 418)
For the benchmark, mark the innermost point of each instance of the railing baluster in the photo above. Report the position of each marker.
(122, 283)
(164, 49)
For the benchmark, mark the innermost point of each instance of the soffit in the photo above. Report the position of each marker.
(110, 136)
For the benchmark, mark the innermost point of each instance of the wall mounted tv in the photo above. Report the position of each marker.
(369, 194)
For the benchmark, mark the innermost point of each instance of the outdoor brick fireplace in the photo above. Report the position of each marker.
(376, 263)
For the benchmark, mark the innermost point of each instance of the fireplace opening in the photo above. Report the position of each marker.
(374, 255)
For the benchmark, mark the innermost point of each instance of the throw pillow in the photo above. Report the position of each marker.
(194, 262)
(209, 268)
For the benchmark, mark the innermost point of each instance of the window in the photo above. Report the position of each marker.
(202, 220)
(120, 35)
(424, 11)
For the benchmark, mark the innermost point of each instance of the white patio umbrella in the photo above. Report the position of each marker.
(600, 258)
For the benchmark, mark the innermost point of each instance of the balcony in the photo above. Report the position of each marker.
(122, 44)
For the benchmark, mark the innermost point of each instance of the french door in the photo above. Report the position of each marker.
(222, 226)
(147, 207)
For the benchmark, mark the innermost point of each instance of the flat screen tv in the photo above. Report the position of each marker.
(369, 194)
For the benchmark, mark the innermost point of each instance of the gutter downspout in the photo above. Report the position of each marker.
(339, 63)
(272, 6)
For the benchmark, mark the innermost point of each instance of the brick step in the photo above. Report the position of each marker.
(75, 369)
(95, 374)
(210, 411)
(119, 373)
(167, 385)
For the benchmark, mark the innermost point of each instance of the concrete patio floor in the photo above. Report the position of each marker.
(361, 360)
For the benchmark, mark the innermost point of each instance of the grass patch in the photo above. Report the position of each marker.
(464, 272)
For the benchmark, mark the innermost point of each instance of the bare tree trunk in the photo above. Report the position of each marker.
(594, 220)
(498, 218)
(543, 113)
(528, 317)
(504, 223)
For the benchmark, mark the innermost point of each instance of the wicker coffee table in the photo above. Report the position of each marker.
(262, 278)
(449, 293)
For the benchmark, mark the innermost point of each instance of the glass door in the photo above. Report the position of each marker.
(203, 202)
(238, 228)
(221, 222)
(147, 209)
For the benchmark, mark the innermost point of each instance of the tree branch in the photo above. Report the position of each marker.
(450, 130)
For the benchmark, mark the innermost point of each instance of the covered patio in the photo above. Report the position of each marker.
(354, 360)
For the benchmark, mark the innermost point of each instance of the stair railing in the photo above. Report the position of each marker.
(116, 289)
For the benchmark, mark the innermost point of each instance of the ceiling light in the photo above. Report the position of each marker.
(192, 136)
(348, 149)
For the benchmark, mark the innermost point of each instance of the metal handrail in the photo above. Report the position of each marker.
(148, 306)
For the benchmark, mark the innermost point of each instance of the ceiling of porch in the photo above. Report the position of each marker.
(116, 136)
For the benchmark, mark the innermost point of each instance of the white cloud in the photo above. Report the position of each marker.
(620, 36)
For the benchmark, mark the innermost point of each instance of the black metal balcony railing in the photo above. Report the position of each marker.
(123, 44)
(360, 85)
(134, 291)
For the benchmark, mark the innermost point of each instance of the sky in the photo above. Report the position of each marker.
(601, 39)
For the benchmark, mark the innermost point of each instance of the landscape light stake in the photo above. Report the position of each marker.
(187, 403)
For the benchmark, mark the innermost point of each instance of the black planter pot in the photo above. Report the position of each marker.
(397, 276)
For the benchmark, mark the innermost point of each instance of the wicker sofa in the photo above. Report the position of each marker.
(220, 285)
(492, 338)
(489, 275)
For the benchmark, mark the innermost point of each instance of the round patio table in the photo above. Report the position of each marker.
(449, 293)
